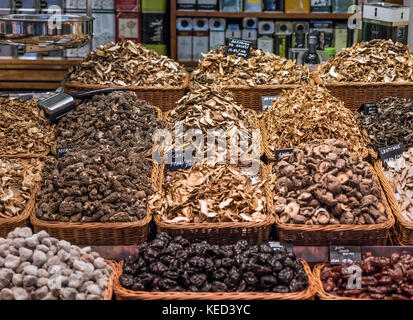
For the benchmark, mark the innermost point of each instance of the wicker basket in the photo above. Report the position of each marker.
(164, 97)
(319, 235)
(220, 232)
(403, 228)
(99, 233)
(125, 294)
(108, 294)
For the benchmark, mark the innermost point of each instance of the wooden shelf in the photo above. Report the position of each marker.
(265, 15)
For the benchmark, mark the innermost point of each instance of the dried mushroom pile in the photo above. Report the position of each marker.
(127, 64)
(210, 193)
(24, 128)
(118, 119)
(392, 124)
(373, 61)
(261, 68)
(38, 267)
(17, 181)
(176, 264)
(99, 185)
(400, 175)
(322, 184)
(382, 278)
(309, 113)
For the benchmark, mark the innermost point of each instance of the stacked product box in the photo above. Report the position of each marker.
(104, 23)
(5, 8)
(128, 20)
(154, 21)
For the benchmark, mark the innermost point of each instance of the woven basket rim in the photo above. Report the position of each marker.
(108, 294)
(192, 85)
(319, 81)
(309, 293)
(340, 227)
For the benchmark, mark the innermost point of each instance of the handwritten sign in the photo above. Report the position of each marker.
(240, 48)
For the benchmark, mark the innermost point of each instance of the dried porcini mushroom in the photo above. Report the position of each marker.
(309, 113)
(261, 68)
(17, 181)
(319, 193)
(210, 193)
(373, 61)
(382, 278)
(118, 119)
(399, 173)
(24, 128)
(97, 185)
(127, 64)
(392, 124)
(177, 264)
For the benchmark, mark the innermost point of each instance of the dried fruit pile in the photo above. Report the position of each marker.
(17, 180)
(382, 278)
(309, 113)
(99, 185)
(323, 184)
(261, 68)
(127, 64)
(118, 119)
(400, 175)
(176, 264)
(373, 61)
(24, 128)
(392, 124)
(210, 193)
(38, 267)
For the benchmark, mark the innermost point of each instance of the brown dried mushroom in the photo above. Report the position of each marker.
(127, 64)
(373, 61)
(17, 181)
(261, 68)
(24, 128)
(97, 185)
(210, 193)
(309, 113)
(323, 184)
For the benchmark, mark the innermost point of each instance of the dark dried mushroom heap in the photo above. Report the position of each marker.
(261, 68)
(24, 128)
(373, 61)
(176, 264)
(210, 193)
(99, 185)
(323, 184)
(127, 64)
(118, 119)
(392, 124)
(309, 113)
(382, 278)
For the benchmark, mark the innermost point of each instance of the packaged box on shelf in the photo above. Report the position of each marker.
(188, 5)
(184, 39)
(274, 5)
(159, 48)
(253, 5)
(7, 51)
(108, 4)
(324, 30)
(250, 23)
(233, 32)
(320, 6)
(104, 28)
(128, 26)
(230, 5)
(297, 6)
(387, 12)
(153, 6)
(342, 6)
(207, 5)
(283, 38)
(128, 5)
(70, 5)
(340, 36)
(216, 33)
(200, 39)
(26, 6)
(265, 40)
(300, 34)
(250, 35)
(46, 4)
(153, 28)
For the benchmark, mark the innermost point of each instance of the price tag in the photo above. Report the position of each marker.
(60, 152)
(344, 254)
(281, 245)
(368, 108)
(267, 102)
(280, 152)
(240, 48)
(390, 153)
(177, 161)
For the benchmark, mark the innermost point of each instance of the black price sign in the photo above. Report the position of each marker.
(240, 48)
(280, 152)
(60, 152)
(178, 161)
(368, 108)
(390, 153)
(281, 245)
(267, 102)
(344, 254)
